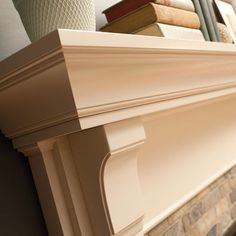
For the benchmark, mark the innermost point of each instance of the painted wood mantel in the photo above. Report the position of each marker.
(120, 130)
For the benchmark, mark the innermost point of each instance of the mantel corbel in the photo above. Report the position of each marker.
(88, 181)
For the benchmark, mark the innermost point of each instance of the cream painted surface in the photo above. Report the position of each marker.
(119, 62)
(113, 176)
(185, 149)
(147, 127)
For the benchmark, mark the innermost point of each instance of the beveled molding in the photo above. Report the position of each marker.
(78, 103)
(86, 79)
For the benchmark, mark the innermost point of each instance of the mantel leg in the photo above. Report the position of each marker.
(92, 180)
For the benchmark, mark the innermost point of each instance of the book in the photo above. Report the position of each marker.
(224, 33)
(126, 6)
(171, 31)
(202, 20)
(213, 19)
(227, 13)
(208, 20)
(152, 13)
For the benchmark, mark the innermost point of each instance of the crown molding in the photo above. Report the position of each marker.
(127, 80)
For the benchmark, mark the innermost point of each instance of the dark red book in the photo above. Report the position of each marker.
(122, 8)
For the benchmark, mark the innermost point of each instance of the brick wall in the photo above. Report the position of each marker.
(208, 214)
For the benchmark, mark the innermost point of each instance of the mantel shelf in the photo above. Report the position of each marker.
(125, 114)
(102, 78)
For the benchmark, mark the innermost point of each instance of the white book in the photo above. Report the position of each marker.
(171, 31)
(181, 4)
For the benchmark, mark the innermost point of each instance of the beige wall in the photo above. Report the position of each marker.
(12, 33)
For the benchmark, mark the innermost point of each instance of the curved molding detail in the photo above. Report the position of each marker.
(106, 158)
(88, 181)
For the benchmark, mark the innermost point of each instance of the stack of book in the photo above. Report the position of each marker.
(179, 19)
(166, 18)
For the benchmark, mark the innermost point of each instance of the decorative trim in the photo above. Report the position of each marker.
(142, 110)
(90, 111)
(36, 127)
(106, 110)
(31, 69)
(77, 53)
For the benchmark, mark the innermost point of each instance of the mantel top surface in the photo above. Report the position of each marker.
(72, 38)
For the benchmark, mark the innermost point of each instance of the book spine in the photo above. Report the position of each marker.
(202, 20)
(208, 20)
(213, 18)
(178, 32)
(126, 6)
(178, 17)
(122, 8)
(224, 33)
(181, 4)
(171, 31)
(150, 14)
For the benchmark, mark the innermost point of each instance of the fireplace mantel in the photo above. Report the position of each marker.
(120, 130)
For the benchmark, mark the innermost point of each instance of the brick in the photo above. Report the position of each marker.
(186, 223)
(233, 170)
(159, 229)
(232, 182)
(219, 229)
(225, 189)
(197, 211)
(233, 211)
(194, 215)
(225, 221)
(210, 218)
(200, 196)
(222, 207)
(179, 213)
(217, 183)
(212, 199)
(213, 231)
(175, 230)
(233, 196)
(193, 232)
(227, 175)
(201, 226)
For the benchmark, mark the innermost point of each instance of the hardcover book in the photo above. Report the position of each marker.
(208, 20)
(152, 13)
(202, 19)
(171, 31)
(213, 19)
(224, 33)
(126, 6)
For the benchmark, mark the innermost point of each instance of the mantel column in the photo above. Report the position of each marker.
(91, 180)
